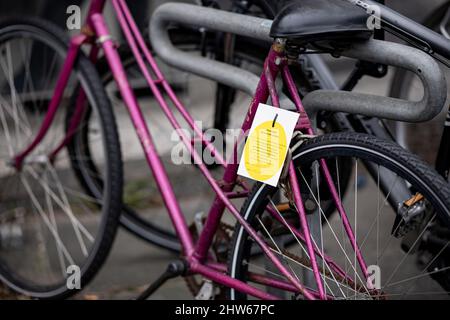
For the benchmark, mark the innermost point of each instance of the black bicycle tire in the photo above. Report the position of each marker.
(390, 155)
(111, 211)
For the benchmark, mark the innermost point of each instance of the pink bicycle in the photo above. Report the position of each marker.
(59, 213)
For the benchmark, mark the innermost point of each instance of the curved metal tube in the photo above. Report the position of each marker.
(212, 19)
(392, 54)
(388, 53)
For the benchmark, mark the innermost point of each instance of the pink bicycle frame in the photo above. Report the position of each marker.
(196, 254)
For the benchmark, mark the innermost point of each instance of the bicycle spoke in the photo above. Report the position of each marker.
(26, 130)
(332, 231)
(44, 217)
(409, 251)
(65, 207)
(303, 249)
(6, 130)
(55, 226)
(28, 82)
(276, 246)
(423, 272)
(80, 228)
(379, 208)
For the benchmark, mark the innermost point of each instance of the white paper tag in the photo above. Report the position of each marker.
(267, 144)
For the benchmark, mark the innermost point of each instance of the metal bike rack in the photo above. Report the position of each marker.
(392, 54)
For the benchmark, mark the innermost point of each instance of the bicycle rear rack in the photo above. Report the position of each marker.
(392, 54)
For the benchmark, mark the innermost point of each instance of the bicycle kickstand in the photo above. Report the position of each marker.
(174, 269)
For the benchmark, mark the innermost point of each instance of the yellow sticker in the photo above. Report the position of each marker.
(267, 144)
(265, 150)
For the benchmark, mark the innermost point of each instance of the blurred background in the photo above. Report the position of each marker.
(133, 263)
(55, 10)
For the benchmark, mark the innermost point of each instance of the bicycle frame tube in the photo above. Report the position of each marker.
(213, 219)
(196, 255)
(80, 107)
(287, 77)
(63, 79)
(143, 133)
(137, 43)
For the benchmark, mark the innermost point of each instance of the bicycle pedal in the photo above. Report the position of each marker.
(410, 215)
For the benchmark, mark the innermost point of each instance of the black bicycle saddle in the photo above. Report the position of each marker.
(308, 21)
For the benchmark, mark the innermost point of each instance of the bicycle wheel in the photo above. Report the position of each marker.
(377, 226)
(54, 236)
